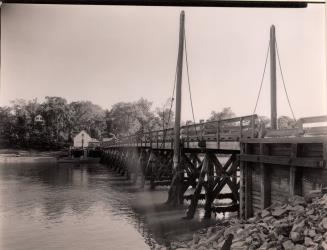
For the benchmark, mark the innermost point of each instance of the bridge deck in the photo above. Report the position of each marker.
(223, 134)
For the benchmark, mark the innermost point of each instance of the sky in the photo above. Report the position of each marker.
(108, 54)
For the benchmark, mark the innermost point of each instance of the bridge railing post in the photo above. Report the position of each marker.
(201, 130)
(172, 140)
(241, 127)
(187, 136)
(218, 134)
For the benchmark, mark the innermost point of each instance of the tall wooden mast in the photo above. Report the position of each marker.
(175, 193)
(273, 93)
(179, 92)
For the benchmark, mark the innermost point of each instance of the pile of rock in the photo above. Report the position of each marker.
(299, 224)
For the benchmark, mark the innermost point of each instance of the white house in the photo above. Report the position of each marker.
(82, 139)
(39, 119)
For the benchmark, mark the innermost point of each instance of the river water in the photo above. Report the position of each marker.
(69, 206)
(66, 207)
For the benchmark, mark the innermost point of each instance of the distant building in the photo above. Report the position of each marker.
(83, 139)
(39, 119)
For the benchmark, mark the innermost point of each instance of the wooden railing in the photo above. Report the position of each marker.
(220, 131)
(302, 128)
(228, 130)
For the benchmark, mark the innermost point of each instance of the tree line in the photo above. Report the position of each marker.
(52, 124)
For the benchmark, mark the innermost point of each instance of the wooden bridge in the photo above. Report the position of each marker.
(233, 164)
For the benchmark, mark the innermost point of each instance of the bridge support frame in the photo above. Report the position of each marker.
(215, 178)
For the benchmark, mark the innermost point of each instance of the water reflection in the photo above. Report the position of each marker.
(55, 201)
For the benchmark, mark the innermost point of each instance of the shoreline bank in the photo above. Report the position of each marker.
(12, 155)
(27, 159)
(301, 224)
(8, 155)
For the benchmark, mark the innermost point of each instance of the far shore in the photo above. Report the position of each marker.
(8, 155)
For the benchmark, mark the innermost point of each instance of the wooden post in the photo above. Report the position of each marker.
(242, 200)
(242, 184)
(273, 94)
(176, 158)
(218, 134)
(175, 196)
(248, 187)
(265, 191)
(241, 128)
(194, 201)
(252, 127)
(292, 181)
(187, 137)
(209, 190)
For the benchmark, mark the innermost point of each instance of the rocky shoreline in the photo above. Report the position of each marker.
(300, 224)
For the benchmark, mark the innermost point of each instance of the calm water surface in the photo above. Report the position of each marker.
(67, 207)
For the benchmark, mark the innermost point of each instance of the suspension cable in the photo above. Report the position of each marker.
(171, 104)
(262, 78)
(170, 109)
(172, 98)
(189, 82)
(281, 72)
